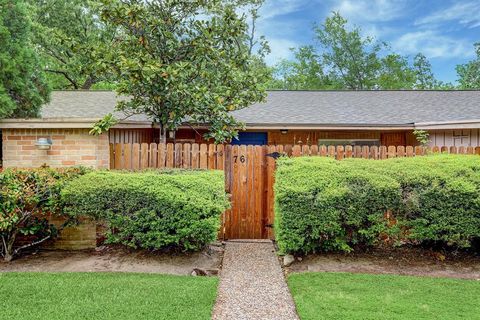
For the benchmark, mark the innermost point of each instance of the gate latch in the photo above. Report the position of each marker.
(274, 155)
(269, 225)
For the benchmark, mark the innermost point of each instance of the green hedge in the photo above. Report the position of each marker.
(322, 204)
(152, 209)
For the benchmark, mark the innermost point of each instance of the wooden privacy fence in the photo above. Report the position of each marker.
(249, 172)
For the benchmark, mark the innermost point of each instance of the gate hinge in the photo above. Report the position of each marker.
(269, 225)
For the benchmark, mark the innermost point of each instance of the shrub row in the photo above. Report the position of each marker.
(323, 204)
(27, 198)
(152, 209)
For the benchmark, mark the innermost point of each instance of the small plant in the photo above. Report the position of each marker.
(27, 198)
(422, 136)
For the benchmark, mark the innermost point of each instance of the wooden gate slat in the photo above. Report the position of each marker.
(161, 155)
(211, 156)
(144, 152)
(127, 156)
(169, 162)
(203, 156)
(136, 156)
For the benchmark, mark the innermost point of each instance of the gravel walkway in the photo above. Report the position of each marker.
(252, 285)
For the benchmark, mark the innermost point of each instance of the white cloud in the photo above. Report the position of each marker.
(433, 45)
(466, 13)
(280, 49)
(272, 9)
(370, 10)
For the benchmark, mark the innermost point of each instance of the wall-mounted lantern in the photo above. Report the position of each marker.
(284, 131)
(44, 143)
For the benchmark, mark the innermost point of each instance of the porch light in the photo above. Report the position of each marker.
(44, 143)
(284, 131)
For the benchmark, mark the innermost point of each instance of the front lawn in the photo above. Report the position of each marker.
(363, 296)
(105, 296)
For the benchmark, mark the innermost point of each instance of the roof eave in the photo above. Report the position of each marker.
(66, 123)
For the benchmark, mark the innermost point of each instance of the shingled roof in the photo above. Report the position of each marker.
(305, 108)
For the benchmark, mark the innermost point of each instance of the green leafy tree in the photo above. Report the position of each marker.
(345, 59)
(352, 59)
(70, 38)
(305, 72)
(425, 79)
(395, 73)
(181, 61)
(23, 89)
(469, 73)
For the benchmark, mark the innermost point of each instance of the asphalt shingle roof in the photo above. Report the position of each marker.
(307, 107)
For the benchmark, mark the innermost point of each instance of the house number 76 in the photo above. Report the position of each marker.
(242, 159)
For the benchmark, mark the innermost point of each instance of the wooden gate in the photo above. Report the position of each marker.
(249, 172)
(249, 180)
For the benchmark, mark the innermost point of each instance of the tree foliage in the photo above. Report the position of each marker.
(70, 38)
(181, 61)
(303, 73)
(345, 59)
(469, 73)
(23, 88)
(27, 198)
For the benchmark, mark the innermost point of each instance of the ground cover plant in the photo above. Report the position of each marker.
(153, 210)
(366, 296)
(27, 199)
(105, 296)
(328, 205)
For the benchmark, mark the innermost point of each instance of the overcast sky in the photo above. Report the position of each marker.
(443, 30)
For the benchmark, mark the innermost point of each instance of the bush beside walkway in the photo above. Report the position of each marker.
(323, 204)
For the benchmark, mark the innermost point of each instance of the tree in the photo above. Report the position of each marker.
(395, 73)
(181, 61)
(70, 37)
(347, 60)
(469, 73)
(303, 73)
(425, 79)
(351, 58)
(23, 89)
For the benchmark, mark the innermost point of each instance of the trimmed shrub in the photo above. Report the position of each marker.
(27, 198)
(322, 204)
(152, 209)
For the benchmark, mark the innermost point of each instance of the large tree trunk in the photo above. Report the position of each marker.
(8, 247)
(163, 134)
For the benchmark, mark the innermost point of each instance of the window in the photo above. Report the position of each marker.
(346, 142)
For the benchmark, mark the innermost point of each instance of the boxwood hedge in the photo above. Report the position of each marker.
(322, 204)
(152, 209)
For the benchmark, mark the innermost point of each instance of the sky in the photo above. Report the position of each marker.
(443, 30)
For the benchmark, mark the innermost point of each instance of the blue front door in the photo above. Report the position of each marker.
(251, 138)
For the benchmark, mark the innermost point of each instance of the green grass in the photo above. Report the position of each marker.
(105, 296)
(362, 296)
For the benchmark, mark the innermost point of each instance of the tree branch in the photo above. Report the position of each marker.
(16, 251)
(65, 74)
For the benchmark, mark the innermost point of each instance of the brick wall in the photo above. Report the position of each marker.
(71, 147)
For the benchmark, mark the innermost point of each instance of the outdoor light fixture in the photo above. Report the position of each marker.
(283, 131)
(44, 143)
(171, 134)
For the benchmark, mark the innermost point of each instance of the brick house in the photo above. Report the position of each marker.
(288, 117)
